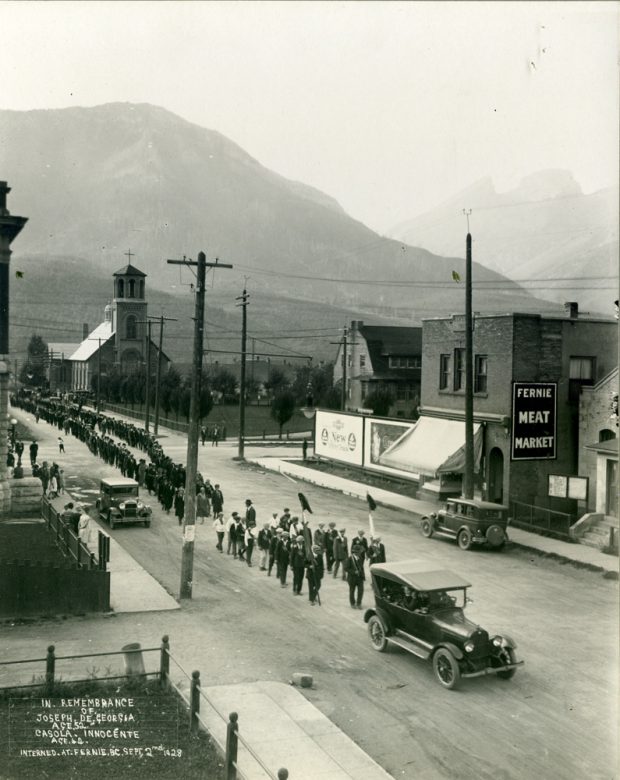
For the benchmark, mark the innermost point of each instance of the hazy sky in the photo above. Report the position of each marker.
(388, 107)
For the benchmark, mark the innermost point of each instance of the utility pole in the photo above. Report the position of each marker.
(244, 333)
(468, 477)
(343, 343)
(147, 363)
(98, 406)
(158, 380)
(189, 523)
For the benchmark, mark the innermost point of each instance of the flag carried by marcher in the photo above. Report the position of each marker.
(305, 506)
(307, 534)
(372, 505)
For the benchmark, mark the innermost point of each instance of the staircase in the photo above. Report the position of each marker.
(602, 533)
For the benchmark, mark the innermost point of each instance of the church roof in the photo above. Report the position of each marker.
(90, 345)
(129, 270)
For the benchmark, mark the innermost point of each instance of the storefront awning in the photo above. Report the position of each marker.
(433, 446)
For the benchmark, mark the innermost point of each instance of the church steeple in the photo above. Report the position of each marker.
(129, 309)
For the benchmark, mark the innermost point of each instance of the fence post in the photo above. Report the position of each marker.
(50, 668)
(194, 702)
(231, 746)
(283, 773)
(164, 661)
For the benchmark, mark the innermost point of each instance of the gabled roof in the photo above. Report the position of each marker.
(129, 270)
(90, 345)
(393, 339)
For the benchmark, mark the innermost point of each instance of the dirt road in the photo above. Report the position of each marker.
(555, 719)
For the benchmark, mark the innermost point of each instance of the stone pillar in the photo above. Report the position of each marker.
(10, 228)
(5, 492)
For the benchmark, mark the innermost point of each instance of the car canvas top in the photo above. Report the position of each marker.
(119, 481)
(419, 576)
(475, 502)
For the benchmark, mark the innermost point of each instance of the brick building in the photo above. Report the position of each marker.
(598, 451)
(569, 352)
(382, 357)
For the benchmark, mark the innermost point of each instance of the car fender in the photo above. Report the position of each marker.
(508, 641)
(382, 617)
(456, 651)
(114, 511)
(368, 614)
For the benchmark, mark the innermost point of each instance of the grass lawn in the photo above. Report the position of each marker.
(154, 743)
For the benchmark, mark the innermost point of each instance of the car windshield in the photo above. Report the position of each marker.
(125, 490)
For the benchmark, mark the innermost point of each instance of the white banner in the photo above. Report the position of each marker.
(339, 436)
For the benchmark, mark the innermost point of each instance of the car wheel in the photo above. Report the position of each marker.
(376, 631)
(508, 657)
(427, 528)
(446, 669)
(464, 539)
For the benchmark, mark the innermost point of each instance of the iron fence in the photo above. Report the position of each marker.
(540, 519)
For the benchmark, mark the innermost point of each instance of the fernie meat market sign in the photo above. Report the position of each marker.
(534, 416)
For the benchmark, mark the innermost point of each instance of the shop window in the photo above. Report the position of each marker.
(582, 368)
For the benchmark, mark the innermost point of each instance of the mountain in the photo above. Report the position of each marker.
(544, 229)
(95, 182)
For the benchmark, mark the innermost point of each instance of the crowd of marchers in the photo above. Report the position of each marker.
(286, 545)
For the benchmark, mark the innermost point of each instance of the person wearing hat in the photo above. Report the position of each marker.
(376, 551)
(249, 539)
(295, 528)
(362, 541)
(273, 546)
(250, 513)
(354, 567)
(319, 539)
(341, 552)
(314, 573)
(231, 527)
(264, 538)
(285, 520)
(282, 557)
(298, 562)
(330, 536)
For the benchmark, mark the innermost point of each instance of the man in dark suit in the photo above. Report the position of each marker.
(217, 500)
(376, 551)
(250, 514)
(354, 567)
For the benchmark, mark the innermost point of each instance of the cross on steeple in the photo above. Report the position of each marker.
(129, 254)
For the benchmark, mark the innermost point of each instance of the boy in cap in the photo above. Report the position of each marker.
(282, 557)
(330, 536)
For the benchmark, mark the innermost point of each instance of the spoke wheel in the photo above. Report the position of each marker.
(426, 527)
(377, 634)
(464, 539)
(446, 669)
(508, 657)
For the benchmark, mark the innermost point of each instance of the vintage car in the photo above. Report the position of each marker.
(470, 522)
(118, 502)
(420, 609)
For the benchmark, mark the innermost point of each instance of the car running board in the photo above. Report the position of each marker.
(410, 644)
(493, 670)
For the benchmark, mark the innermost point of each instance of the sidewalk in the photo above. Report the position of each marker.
(575, 553)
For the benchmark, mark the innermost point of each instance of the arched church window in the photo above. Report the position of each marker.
(120, 288)
(606, 435)
(131, 327)
(132, 288)
(141, 288)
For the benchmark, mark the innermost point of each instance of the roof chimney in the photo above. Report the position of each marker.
(571, 309)
(85, 331)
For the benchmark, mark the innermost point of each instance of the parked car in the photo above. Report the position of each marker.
(421, 609)
(470, 522)
(118, 502)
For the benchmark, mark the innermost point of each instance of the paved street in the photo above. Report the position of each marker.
(556, 718)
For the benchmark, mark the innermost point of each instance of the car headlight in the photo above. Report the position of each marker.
(497, 641)
(121, 505)
(469, 646)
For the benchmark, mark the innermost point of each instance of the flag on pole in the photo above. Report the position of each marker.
(371, 508)
(305, 506)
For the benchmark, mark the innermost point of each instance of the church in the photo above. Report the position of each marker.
(121, 339)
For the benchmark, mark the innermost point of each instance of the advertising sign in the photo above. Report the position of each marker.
(534, 418)
(379, 437)
(568, 487)
(339, 436)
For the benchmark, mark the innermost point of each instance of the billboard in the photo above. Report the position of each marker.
(339, 436)
(379, 438)
(534, 420)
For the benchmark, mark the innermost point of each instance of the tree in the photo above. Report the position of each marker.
(276, 382)
(380, 401)
(34, 370)
(170, 380)
(225, 383)
(282, 408)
